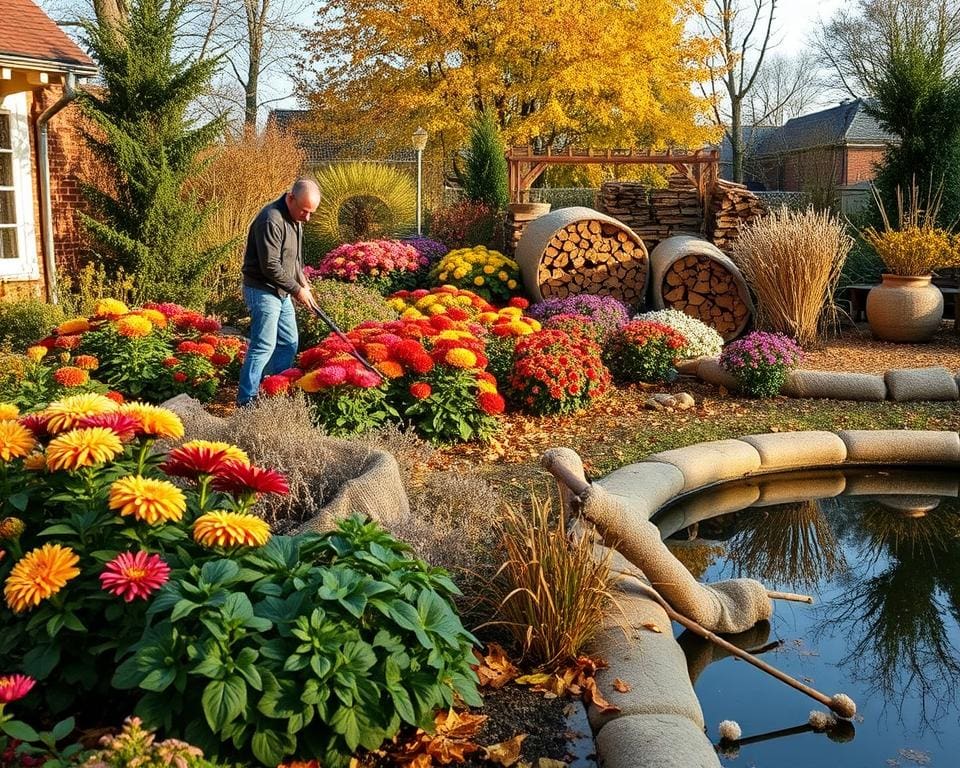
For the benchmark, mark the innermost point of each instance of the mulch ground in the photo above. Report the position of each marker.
(858, 352)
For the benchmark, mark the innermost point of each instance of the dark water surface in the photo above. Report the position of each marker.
(884, 567)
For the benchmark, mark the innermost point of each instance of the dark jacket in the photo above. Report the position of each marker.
(273, 260)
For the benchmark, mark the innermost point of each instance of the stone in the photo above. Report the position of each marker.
(703, 506)
(901, 446)
(798, 449)
(713, 462)
(654, 741)
(710, 371)
(835, 385)
(668, 401)
(684, 401)
(801, 487)
(876, 484)
(652, 404)
(914, 384)
(643, 487)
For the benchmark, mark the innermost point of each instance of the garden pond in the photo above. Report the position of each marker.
(879, 551)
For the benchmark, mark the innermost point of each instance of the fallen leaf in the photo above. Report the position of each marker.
(549, 762)
(495, 669)
(458, 725)
(652, 627)
(621, 686)
(538, 678)
(592, 695)
(506, 753)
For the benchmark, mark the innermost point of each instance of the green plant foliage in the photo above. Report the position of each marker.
(137, 747)
(362, 201)
(347, 304)
(146, 221)
(311, 646)
(345, 410)
(26, 321)
(644, 351)
(129, 365)
(485, 179)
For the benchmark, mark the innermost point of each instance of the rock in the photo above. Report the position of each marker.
(667, 401)
(651, 404)
(684, 401)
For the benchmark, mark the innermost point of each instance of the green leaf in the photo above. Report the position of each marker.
(17, 729)
(59, 530)
(41, 660)
(270, 747)
(219, 572)
(345, 722)
(223, 700)
(237, 609)
(19, 501)
(158, 680)
(63, 729)
(128, 674)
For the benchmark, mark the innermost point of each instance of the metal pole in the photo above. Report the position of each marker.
(419, 188)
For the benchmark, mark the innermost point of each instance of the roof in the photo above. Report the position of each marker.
(845, 124)
(29, 36)
(753, 138)
(319, 149)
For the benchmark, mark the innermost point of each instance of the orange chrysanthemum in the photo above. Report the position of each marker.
(16, 441)
(35, 462)
(38, 575)
(110, 308)
(390, 369)
(148, 500)
(134, 326)
(230, 529)
(67, 412)
(71, 376)
(8, 411)
(76, 325)
(86, 362)
(83, 448)
(157, 421)
(155, 316)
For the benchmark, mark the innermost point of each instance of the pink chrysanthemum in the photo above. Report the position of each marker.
(237, 478)
(126, 426)
(14, 687)
(133, 575)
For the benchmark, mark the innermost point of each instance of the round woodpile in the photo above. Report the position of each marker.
(520, 215)
(580, 250)
(695, 277)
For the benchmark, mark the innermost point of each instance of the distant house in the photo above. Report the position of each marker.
(833, 149)
(753, 138)
(40, 150)
(321, 150)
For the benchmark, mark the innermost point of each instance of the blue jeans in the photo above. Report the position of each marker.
(273, 340)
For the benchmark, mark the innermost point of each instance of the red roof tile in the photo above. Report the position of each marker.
(25, 30)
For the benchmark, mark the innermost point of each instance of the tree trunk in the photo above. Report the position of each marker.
(736, 138)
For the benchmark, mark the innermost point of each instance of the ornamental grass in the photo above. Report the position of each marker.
(552, 593)
(792, 261)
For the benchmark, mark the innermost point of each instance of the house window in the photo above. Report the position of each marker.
(18, 246)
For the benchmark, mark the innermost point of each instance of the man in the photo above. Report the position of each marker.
(272, 278)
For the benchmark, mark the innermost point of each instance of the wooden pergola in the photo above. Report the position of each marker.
(700, 166)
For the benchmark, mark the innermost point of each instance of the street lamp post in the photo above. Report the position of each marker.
(419, 142)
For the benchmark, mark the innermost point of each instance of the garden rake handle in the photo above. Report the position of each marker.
(343, 337)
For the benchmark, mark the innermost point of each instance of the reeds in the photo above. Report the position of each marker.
(552, 592)
(792, 262)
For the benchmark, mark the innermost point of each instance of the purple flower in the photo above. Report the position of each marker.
(760, 361)
(431, 250)
(606, 312)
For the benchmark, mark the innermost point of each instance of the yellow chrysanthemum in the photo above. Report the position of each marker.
(478, 280)
(83, 448)
(230, 529)
(39, 574)
(157, 421)
(155, 316)
(110, 308)
(134, 326)
(35, 462)
(148, 500)
(37, 353)
(511, 284)
(66, 413)
(503, 275)
(436, 309)
(16, 441)
(459, 357)
(229, 450)
(76, 325)
(520, 328)
(486, 386)
(8, 411)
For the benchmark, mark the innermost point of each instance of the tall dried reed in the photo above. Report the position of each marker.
(242, 175)
(792, 261)
(552, 592)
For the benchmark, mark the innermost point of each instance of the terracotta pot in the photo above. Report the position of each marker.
(907, 309)
(528, 211)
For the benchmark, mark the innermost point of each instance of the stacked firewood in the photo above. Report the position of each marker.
(705, 289)
(732, 206)
(654, 214)
(594, 257)
(517, 222)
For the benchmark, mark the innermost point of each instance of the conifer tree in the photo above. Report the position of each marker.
(146, 221)
(485, 179)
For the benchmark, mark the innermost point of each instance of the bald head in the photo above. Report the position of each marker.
(303, 199)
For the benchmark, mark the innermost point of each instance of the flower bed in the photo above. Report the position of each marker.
(760, 361)
(643, 351)
(385, 265)
(487, 273)
(607, 313)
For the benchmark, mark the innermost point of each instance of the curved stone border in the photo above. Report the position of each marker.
(660, 723)
(900, 385)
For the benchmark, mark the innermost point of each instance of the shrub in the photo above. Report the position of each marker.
(760, 362)
(463, 224)
(489, 274)
(811, 248)
(702, 340)
(576, 325)
(137, 747)
(554, 372)
(606, 312)
(346, 631)
(485, 179)
(23, 322)
(552, 592)
(78, 296)
(362, 201)
(384, 265)
(643, 351)
(347, 304)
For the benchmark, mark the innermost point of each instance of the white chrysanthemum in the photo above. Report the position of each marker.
(702, 340)
(821, 721)
(730, 730)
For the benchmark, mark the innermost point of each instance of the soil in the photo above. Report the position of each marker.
(857, 351)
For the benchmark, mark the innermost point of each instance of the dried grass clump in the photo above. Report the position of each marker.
(551, 592)
(413, 453)
(792, 262)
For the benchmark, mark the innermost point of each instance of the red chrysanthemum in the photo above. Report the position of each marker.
(67, 342)
(292, 373)
(239, 479)
(519, 302)
(171, 362)
(14, 687)
(458, 313)
(36, 423)
(491, 403)
(420, 390)
(125, 425)
(361, 377)
(117, 397)
(275, 385)
(134, 575)
(194, 460)
(180, 377)
(220, 359)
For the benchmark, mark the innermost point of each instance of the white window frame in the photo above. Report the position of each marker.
(26, 266)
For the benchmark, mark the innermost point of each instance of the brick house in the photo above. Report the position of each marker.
(835, 149)
(41, 151)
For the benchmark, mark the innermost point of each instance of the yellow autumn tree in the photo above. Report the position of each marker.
(604, 72)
